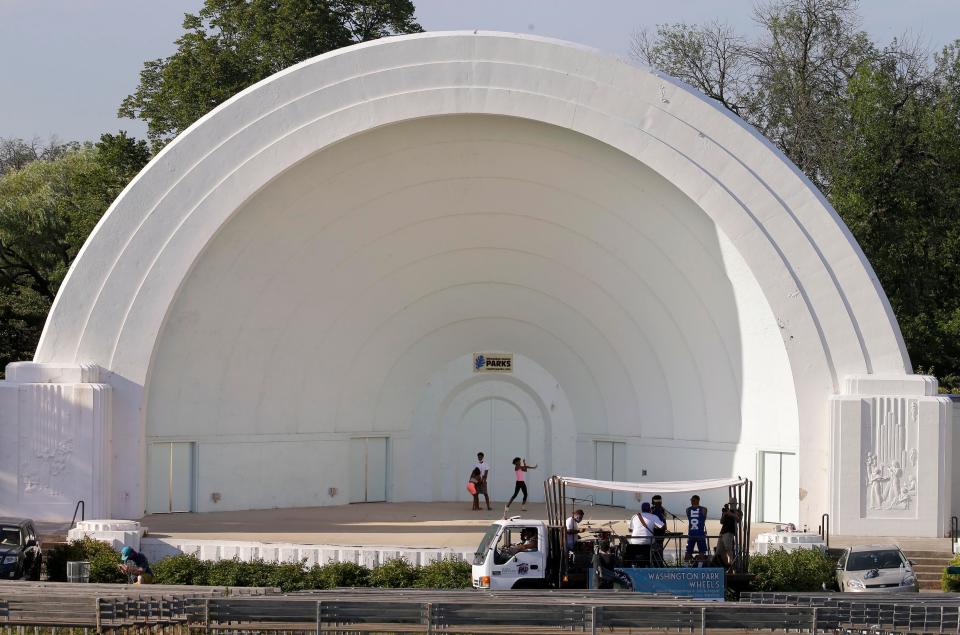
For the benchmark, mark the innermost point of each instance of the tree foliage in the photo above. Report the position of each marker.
(898, 189)
(231, 44)
(874, 128)
(710, 57)
(47, 210)
(789, 84)
(17, 153)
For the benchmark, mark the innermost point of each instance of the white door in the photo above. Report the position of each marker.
(610, 465)
(170, 468)
(789, 488)
(779, 487)
(498, 429)
(368, 470)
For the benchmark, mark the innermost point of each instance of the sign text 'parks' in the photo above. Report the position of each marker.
(493, 362)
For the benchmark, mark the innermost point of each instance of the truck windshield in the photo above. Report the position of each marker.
(488, 539)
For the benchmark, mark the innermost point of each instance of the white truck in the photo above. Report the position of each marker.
(500, 562)
(524, 553)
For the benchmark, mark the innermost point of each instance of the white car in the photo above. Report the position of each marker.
(876, 569)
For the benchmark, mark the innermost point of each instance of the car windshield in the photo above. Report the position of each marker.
(10, 536)
(881, 559)
(485, 542)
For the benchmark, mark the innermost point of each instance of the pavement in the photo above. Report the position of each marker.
(417, 525)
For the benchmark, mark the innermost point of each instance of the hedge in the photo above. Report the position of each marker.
(800, 570)
(104, 561)
(296, 576)
(288, 576)
(951, 583)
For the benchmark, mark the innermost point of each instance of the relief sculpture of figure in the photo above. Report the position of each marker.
(907, 493)
(875, 480)
(893, 495)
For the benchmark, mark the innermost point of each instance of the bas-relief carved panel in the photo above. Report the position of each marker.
(889, 443)
(49, 423)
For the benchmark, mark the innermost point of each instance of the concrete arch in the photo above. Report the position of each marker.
(453, 389)
(827, 304)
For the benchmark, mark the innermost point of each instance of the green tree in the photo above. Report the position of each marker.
(710, 57)
(47, 210)
(802, 63)
(17, 153)
(789, 84)
(898, 189)
(874, 128)
(231, 44)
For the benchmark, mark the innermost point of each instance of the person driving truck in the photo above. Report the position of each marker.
(528, 541)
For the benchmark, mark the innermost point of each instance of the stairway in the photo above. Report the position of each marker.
(928, 567)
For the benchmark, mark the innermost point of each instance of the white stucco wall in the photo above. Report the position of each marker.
(645, 248)
(346, 297)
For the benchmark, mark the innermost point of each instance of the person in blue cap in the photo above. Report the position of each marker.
(136, 564)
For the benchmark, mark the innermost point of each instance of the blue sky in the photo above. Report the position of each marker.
(66, 64)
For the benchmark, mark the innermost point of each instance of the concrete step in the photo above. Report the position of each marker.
(928, 567)
(913, 554)
(916, 560)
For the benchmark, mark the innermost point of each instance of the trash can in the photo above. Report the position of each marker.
(78, 571)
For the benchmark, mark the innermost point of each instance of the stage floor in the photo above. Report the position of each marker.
(409, 525)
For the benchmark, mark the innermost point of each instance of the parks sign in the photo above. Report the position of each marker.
(493, 362)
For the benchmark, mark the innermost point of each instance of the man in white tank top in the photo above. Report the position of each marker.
(482, 485)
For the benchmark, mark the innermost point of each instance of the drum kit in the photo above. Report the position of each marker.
(599, 535)
(603, 538)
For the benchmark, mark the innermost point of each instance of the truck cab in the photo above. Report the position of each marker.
(513, 554)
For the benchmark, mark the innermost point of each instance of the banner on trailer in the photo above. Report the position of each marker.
(706, 583)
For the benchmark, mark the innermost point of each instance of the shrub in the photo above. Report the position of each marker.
(239, 573)
(394, 574)
(800, 570)
(445, 574)
(289, 576)
(951, 583)
(338, 574)
(181, 569)
(104, 561)
(56, 559)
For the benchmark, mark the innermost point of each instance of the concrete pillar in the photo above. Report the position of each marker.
(891, 457)
(56, 424)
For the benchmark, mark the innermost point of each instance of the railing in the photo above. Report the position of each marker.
(519, 615)
(466, 611)
(876, 612)
(954, 534)
(825, 529)
(82, 508)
